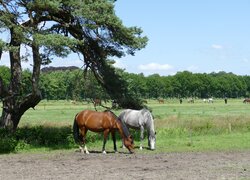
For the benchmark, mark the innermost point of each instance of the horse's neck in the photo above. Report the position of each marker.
(150, 125)
(149, 121)
(122, 129)
(151, 128)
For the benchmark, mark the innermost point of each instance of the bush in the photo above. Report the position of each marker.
(36, 137)
(8, 142)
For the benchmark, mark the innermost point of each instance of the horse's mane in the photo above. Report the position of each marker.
(107, 110)
(150, 120)
(146, 112)
(124, 127)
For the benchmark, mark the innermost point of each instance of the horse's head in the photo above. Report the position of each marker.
(129, 143)
(151, 140)
(127, 138)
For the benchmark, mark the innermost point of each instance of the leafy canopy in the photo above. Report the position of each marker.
(60, 27)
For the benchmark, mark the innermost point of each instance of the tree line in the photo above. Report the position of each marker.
(73, 84)
(187, 84)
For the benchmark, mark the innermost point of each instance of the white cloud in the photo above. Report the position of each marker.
(217, 46)
(193, 68)
(155, 67)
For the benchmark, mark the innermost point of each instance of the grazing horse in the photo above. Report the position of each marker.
(191, 100)
(209, 100)
(97, 102)
(247, 100)
(105, 122)
(161, 101)
(140, 119)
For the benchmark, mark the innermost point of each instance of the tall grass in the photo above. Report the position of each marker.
(180, 127)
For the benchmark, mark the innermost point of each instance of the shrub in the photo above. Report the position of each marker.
(7, 142)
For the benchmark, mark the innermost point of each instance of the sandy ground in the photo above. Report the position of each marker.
(75, 165)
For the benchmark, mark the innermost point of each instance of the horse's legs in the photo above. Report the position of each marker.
(123, 146)
(105, 134)
(83, 133)
(142, 136)
(114, 140)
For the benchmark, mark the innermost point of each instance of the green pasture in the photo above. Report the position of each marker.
(180, 127)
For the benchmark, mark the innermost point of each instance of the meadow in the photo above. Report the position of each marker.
(180, 127)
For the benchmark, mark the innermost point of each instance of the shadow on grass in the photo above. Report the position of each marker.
(26, 138)
(49, 137)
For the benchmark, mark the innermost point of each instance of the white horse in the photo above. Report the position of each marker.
(140, 119)
(209, 100)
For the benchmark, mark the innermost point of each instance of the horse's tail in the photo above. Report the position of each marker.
(76, 134)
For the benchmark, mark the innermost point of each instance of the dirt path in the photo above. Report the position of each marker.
(73, 165)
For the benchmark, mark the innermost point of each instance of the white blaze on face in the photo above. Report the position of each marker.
(152, 143)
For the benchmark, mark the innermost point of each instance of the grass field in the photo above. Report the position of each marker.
(180, 127)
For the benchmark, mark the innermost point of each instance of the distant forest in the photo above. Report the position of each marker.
(60, 83)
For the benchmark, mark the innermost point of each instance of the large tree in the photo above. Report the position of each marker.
(49, 28)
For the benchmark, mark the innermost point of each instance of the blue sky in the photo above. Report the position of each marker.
(193, 35)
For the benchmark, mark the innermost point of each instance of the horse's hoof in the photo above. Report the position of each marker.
(104, 152)
(140, 148)
(87, 152)
(131, 152)
(81, 150)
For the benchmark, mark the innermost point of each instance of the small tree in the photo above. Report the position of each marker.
(56, 28)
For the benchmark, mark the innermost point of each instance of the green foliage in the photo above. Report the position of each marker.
(26, 138)
(60, 44)
(57, 28)
(8, 141)
(5, 74)
(73, 85)
(34, 137)
(70, 85)
(26, 82)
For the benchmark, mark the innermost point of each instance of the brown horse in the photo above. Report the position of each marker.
(247, 100)
(105, 122)
(161, 101)
(97, 102)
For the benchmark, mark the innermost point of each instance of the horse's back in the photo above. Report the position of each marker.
(80, 117)
(132, 118)
(247, 100)
(95, 121)
(128, 114)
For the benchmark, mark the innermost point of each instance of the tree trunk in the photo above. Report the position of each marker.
(14, 103)
(14, 109)
(10, 120)
(10, 116)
